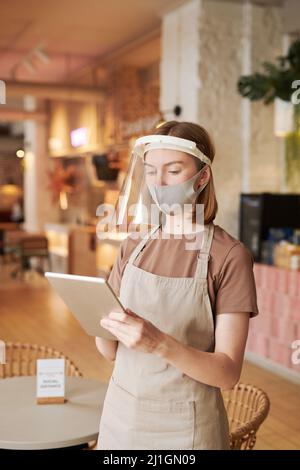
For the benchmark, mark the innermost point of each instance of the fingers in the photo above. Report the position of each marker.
(118, 316)
(115, 323)
(122, 316)
(119, 331)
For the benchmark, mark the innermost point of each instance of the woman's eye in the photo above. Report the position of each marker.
(174, 172)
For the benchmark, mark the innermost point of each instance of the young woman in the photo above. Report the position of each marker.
(183, 335)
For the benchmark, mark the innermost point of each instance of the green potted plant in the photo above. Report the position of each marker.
(280, 83)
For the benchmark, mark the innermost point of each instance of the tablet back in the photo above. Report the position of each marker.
(88, 298)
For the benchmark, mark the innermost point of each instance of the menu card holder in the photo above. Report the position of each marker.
(50, 381)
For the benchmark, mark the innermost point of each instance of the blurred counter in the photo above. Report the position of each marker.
(274, 332)
(76, 249)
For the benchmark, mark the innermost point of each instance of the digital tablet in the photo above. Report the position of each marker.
(88, 298)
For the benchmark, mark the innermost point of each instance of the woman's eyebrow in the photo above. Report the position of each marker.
(174, 161)
(166, 164)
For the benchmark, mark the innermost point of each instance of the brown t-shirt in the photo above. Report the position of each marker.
(231, 283)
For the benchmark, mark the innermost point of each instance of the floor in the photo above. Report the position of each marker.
(31, 312)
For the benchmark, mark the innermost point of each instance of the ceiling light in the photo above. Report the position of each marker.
(20, 153)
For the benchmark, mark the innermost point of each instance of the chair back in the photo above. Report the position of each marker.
(21, 360)
(247, 407)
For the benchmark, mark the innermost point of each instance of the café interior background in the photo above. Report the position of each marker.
(80, 82)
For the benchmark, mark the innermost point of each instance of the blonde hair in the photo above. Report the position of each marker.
(196, 133)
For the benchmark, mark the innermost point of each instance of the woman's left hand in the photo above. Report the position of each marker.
(133, 331)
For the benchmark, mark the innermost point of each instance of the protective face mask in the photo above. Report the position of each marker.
(176, 194)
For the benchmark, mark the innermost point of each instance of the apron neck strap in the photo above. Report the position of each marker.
(204, 254)
(140, 246)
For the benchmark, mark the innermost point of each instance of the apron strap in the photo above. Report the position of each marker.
(204, 254)
(141, 244)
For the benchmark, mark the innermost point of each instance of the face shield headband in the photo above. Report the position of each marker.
(151, 142)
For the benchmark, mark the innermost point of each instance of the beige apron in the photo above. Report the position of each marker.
(151, 404)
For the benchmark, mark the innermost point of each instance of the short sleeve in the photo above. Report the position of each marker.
(236, 290)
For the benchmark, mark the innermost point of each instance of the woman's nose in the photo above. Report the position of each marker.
(159, 181)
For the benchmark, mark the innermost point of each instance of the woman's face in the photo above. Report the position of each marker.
(167, 167)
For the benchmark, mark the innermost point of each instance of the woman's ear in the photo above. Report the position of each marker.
(204, 177)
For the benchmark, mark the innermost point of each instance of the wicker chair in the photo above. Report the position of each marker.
(21, 360)
(247, 407)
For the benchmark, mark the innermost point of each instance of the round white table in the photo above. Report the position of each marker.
(26, 425)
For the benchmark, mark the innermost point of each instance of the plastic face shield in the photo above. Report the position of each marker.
(135, 209)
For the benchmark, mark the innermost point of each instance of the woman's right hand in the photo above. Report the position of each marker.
(117, 309)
